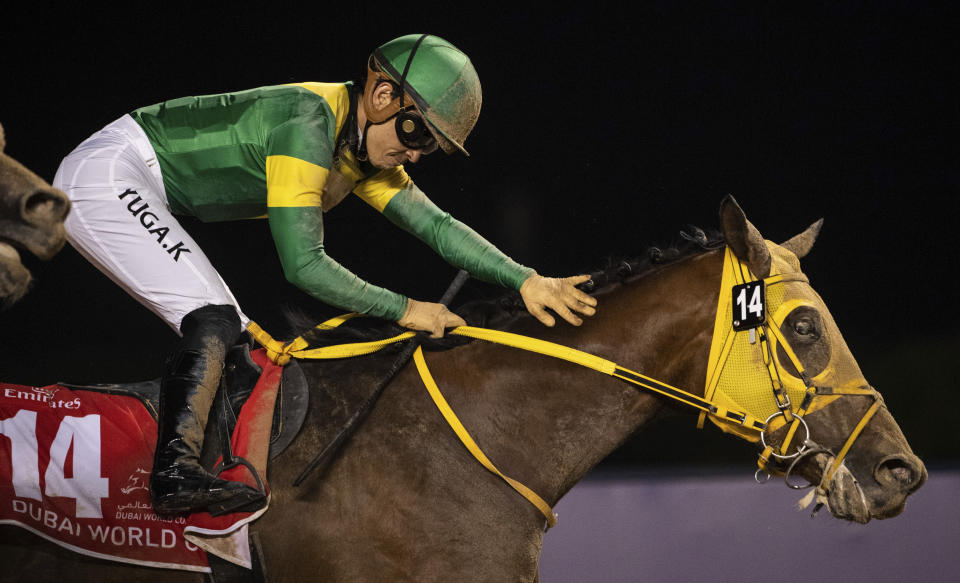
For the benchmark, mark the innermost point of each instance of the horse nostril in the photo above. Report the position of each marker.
(45, 206)
(903, 475)
(901, 471)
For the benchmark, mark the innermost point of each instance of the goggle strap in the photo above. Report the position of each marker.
(406, 67)
(392, 72)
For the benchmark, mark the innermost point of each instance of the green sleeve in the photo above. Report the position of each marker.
(457, 243)
(298, 235)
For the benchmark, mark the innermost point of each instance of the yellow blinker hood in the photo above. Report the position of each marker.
(740, 374)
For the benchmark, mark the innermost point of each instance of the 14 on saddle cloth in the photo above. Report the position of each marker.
(754, 379)
(78, 462)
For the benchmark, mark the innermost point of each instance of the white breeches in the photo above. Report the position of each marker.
(121, 222)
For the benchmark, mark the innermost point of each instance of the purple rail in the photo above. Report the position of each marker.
(719, 526)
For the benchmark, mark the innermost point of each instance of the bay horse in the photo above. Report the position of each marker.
(31, 220)
(404, 501)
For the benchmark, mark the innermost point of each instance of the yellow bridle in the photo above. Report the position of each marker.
(716, 404)
(728, 383)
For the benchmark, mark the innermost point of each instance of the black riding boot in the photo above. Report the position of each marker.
(179, 484)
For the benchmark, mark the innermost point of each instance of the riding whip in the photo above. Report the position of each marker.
(326, 455)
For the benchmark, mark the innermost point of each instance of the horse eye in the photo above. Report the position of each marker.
(805, 327)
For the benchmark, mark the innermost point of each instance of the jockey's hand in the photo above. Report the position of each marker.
(430, 317)
(558, 294)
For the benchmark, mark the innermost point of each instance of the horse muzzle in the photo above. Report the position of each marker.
(879, 496)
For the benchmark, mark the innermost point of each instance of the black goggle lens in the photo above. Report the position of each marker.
(413, 133)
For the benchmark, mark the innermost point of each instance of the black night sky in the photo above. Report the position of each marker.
(601, 134)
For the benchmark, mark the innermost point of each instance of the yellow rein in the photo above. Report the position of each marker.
(472, 446)
(282, 353)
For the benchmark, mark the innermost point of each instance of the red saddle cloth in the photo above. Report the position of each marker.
(75, 465)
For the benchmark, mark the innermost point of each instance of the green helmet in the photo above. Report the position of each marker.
(436, 77)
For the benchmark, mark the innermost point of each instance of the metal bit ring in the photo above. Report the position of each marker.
(803, 443)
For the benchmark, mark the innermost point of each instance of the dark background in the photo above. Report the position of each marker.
(601, 134)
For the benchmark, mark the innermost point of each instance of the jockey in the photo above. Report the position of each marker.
(289, 154)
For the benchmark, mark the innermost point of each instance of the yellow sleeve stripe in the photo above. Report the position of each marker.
(293, 182)
(336, 95)
(380, 189)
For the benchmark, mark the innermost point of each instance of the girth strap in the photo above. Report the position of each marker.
(223, 571)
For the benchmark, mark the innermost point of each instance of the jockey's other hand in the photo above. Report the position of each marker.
(430, 317)
(558, 294)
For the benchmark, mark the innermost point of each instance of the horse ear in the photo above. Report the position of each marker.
(743, 238)
(801, 244)
(3, 141)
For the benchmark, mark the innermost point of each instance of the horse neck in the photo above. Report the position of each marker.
(661, 325)
(570, 417)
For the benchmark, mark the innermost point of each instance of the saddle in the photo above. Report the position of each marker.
(240, 374)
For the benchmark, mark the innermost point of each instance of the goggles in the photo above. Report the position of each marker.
(413, 133)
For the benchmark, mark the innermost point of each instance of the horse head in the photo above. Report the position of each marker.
(31, 219)
(845, 443)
